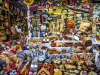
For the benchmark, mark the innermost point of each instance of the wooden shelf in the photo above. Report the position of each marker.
(78, 10)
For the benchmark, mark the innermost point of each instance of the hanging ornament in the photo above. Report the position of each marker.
(70, 23)
(28, 2)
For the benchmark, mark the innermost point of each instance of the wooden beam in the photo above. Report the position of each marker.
(9, 13)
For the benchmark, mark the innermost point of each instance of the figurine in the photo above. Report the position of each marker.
(85, 27)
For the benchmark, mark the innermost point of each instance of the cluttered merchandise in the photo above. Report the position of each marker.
(49, 37)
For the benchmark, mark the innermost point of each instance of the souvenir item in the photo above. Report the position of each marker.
(52, 39)
(54, 52)
(59, 44)
(85, 27)
(7, 60)
(83, 72)
(70, 66)
(64, 51)
(43, 27)
(53, 44)
(97, 59)
(13, 30)
(57, 72)
(86, 38)
(1, 66)
(24, 68)
(5, 5)
(62, 25)
(67, 44)
(58, 26)
(66, 73)
(58, 11)
(50, 9)
(81, 51)
(97, 31)
(42, 56)
(3, 37)
(89, 63)
(28, 2)
(3, 72)
(6, 23)
(85, 1)
(69, 23)
(7, 32)
(62, 68)
(44, 70)
(80, 62)
(97, 39)
(1, 2)
(57, 61)
(44, 47)
(60, 40)
(92, 73)
(52, 27)
(88, 43)
(2, 27)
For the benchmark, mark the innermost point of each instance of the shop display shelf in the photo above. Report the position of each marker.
(78, 9)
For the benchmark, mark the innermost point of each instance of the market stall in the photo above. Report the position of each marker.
(50, 37)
